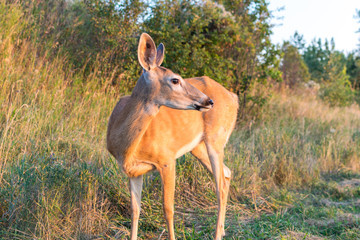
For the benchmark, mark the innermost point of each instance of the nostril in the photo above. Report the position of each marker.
(211, 102)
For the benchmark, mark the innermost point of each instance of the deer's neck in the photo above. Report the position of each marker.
(131, 126)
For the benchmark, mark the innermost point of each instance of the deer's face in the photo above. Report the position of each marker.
(166, 88)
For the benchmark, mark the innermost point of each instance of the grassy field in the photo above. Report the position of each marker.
(296, 167)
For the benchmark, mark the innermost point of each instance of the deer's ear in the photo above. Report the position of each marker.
(146, 52)
(160, 53)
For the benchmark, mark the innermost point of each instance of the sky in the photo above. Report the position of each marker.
(318, 19)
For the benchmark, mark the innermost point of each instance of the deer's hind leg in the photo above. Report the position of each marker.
(200, 152)
(213, 160)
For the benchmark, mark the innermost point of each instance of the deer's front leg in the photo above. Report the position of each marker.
(135, 192)
(167, 173)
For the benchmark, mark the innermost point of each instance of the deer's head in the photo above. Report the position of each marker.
(163, 87)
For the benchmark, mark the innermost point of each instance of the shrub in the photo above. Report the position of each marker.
(336, 88)
(293, 66)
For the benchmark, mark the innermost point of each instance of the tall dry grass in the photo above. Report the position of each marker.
(52, 149)
(296, 139)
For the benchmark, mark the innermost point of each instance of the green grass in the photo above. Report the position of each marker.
(308, 214)
(294, 166)
(311, 215)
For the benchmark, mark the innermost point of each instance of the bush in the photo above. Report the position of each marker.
(338, 93)
(336, 88)
(293, 66)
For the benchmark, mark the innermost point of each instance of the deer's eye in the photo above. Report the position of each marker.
(175, 81)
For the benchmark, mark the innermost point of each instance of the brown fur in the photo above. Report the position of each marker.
(172, 129)
(143, 134)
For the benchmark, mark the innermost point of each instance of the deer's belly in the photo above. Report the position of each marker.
(189, 146)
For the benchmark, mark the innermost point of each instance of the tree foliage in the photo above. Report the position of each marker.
(226, 40)
(316, 57)
(358, 18)
(293, 67)
(353, 69)
(338, 74)
(336, 88)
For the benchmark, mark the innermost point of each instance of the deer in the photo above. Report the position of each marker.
(165, 117)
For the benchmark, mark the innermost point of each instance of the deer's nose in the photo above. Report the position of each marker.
(210, 102)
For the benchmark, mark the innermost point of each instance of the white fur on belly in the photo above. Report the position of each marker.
(190, 146)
